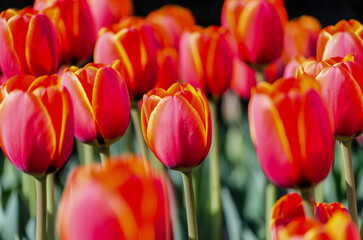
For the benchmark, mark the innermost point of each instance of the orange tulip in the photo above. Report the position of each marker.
(206, 59)
(342, 84)
(132, 41)
(292, 132)
(177, 125)
(118, 201)
(100, 99)
(301, 36)
(346, 37)
(169, 22)
(247, 21)
(36, 123)
(29, 43)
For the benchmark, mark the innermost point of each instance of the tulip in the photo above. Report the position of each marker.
(169, 22)
(74, 24)
(168, 68)
(133, 43)
(243, 79)
(29, 44)
(247, 21)
(177, 126)
(126, 203)
(293, 65)
(339, 40)
(291, 131)
(36, 124)
(100, 99)
(301, 36)
(206, 59)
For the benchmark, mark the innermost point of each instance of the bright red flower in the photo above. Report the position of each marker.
(292, 132)
(36, 123)
(101, 101)
(243, 78)
(132, 41)
(168, 68)
(177, 125)
(29, 43)
(118, 201)
(206, 59)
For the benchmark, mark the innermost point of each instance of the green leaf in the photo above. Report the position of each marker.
(233, 220)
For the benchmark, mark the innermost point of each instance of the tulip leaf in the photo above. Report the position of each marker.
(233, 220)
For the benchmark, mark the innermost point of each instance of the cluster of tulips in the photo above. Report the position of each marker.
(303, 82)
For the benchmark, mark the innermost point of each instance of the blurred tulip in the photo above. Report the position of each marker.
(29, 43)
(206, 59)
(341, 85)
(107, 12)
(339, 40)
(132, 42)
(169, 22)
(176, 125)
(74, 24)
(292, 132)
(101, 101)
(301, 36)
(293, 65)
(243, 79)
(126, 203)
(274, 70)
(36, 124)
(168, 68)
(247, 21)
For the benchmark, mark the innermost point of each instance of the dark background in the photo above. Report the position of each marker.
(207, 12)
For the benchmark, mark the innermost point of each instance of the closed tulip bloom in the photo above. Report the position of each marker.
(168, 73)
(292, 132)
(341, 84)
(247, 21)
(169, 22)
(176, 125)
(243, 79)
(132, 41)
(36, 125)
(29, 43)
(301, 36)
(118, 201)
(100, 99)
(206, 59)
(341, 39)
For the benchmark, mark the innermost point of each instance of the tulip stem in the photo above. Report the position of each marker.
(105, 155)
(50, 206)
(41, 189)
(270, 200)
(307, 195)
(190, 205)
(349, 180)
(88, 154)
(214, 176)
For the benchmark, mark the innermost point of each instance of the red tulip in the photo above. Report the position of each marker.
(342, 84)
(301, 36)
(74, 24)
(292, 132)
(29, 43)
(169, 22)
(206, 59)
(101, 101)
(36, 124)
(346, 37)
(293, 65)
(177, 125)
(133, 42)
(243, 78)
(119, 201)
(168, 68)
(247, 21)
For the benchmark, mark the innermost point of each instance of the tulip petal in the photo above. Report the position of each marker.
(176, 133)
(26, 132)
(106, 49)
(270, 140)
(110, 103)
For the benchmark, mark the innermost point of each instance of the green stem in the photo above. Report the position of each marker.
(135, 115)
(307, 195)
(88, 154)
(41, 188)
(260, 77)
(319, 193)
(105, 155)
(349, 180)
(28, 188)
(270, 198)
(50, 207)
(214, 176)
(190, 205)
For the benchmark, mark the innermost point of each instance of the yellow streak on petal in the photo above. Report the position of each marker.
(125, 59)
